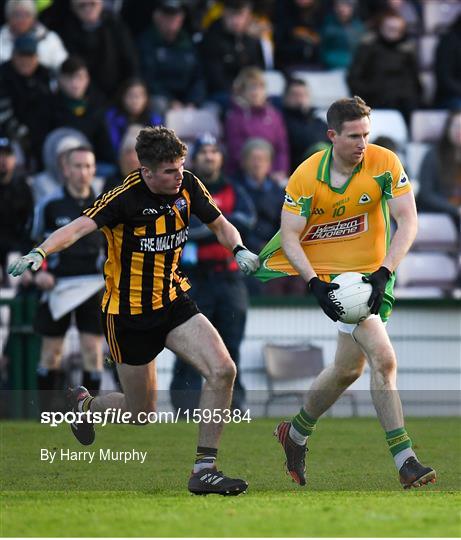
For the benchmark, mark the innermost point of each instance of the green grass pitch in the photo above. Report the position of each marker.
(353, 488)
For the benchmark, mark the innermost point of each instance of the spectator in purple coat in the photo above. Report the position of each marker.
(252, 115)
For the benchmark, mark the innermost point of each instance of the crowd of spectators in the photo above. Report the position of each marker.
(93, 72)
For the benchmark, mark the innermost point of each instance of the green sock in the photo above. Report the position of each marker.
(398, 440)
(303, 423)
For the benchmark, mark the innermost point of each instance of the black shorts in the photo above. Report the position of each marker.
(138, 339)
(87, 318)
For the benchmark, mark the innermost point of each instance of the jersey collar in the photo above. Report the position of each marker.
(323, 171)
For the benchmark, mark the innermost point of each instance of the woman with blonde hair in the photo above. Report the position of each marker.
(252, 115)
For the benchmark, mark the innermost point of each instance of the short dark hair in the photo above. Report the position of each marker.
(157, 144)
(345, 110)
(71, 65)
(81, 148)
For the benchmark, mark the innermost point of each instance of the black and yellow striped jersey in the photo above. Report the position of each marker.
(146, 234)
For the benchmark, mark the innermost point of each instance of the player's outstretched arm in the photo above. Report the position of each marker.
(57, 241)
(230, 238)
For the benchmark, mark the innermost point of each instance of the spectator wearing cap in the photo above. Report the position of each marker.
(79, 105)
(227, 48)
(16, 206)
(218, 286)
(170, 63)
(21, 19)
(304, 128)
(25, 96)
(56, 145)
(104, 43)
(252, 115)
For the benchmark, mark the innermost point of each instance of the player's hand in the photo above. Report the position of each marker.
(378, 281)
(32, 260)
(247, 261)
(321, 289)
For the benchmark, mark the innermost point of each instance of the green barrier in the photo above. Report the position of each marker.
(23, 351)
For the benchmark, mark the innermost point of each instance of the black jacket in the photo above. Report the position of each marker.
(225, 54)
(108, 51)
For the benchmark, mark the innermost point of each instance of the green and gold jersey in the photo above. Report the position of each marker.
(347, 229)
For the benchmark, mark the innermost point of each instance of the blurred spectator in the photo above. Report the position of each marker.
(384, 71)
(21, 17)
(103, 41)
(410, 10)
(252, 115)
(217, 283)
(25, 95)
(340, 35)
(267, 197)
(170, 63)
(227, 47)
(56, 145)
(77, 104)
(303, 126)
(127, 158)
(296, 28)
(132, 107)
(16, 206)
(440, 173)
(448, 67)
(81, 259)
(136, 14)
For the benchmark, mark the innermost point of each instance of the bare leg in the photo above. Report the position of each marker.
(335, 378)
(91, 345)
(139, 385)
(374, 340)
(198, 342)
(51, 353)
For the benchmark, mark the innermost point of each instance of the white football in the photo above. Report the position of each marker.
(352, 297)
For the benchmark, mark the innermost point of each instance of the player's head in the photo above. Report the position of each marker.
(162, 155)
(79, 168)
(348, 122)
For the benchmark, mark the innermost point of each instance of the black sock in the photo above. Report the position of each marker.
(50, 384)
(92, 381)
(205, 458)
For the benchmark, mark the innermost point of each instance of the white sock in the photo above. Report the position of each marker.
(401, 457)
(297, 437)
(204, 465)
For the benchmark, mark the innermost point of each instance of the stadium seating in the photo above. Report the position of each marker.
(325, 86)
(389, 123)
(427, 125)
(294, 365)
(275, 82)
(427, 270)
(436, 232)
(415, 152)
(428, 83)
(191, 123)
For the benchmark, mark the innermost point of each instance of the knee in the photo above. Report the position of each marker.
(51, 357)
(350, 375)
(384, 362)
(223, 373)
